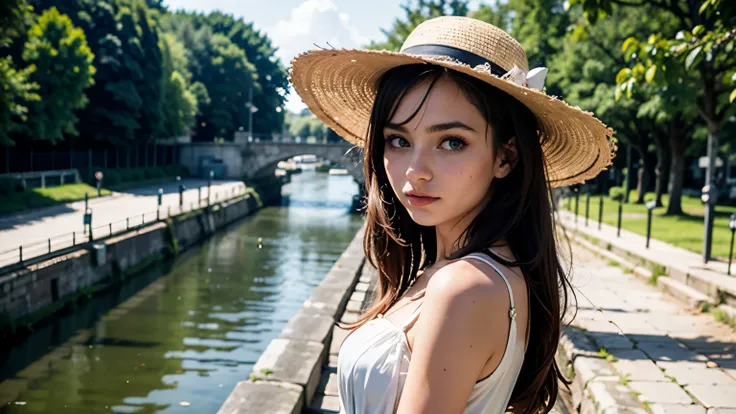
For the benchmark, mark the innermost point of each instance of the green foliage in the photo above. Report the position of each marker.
(616, 193)
(695, 48)
(17, 90)
(9, 185)
(61, 63)
(154, 172)
(180, 103)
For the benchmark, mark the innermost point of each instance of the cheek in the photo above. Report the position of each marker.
(392, 168)
(468, 178)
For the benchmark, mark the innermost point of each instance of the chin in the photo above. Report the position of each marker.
(423, 217)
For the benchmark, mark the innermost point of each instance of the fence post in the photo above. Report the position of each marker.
(74, 238)
(587, 206)
(110, 227)
(600, 212)
(49, 245)
(20, 252)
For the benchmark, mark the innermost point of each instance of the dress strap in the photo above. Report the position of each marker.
(413, 317)
(512, 310)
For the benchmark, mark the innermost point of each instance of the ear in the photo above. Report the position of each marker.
(506, 159)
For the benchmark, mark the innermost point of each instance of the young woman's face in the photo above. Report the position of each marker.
(445, 152)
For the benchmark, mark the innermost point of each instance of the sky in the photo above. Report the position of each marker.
(294, 26)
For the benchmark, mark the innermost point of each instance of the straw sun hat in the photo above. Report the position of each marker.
(339, 87)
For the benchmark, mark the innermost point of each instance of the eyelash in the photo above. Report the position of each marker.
(462, 142)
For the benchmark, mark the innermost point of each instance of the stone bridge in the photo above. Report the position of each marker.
(260, 158)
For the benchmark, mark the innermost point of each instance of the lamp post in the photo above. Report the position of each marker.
(732, 226)
(650, 207)
(251, 110)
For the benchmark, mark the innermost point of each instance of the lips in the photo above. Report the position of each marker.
(420, 199)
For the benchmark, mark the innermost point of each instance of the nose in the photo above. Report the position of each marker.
(418, 170)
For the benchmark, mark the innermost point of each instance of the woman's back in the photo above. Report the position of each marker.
(374, 360)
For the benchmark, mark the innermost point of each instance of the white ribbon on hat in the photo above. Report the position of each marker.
(533, 79)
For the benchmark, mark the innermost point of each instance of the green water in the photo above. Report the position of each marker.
(177, 338)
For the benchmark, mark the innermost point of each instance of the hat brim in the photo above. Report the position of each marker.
(339, 87)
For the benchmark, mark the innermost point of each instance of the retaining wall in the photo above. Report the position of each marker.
(36, 291)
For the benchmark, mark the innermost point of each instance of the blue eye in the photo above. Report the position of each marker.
(393, 138)
(456, 144)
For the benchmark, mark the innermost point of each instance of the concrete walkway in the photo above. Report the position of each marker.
(636, 350)
(58, 222)
(688, 275)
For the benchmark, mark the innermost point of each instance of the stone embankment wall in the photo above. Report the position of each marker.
(34, 292)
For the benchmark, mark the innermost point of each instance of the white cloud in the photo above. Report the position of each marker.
(313, 22)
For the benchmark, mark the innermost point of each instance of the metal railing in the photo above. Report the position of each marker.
(41, 249)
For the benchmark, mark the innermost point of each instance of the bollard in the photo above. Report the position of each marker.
(577, 203)
(49, 245)
(110, 228)
(587, 206)
(650, 207)
(74, 238)
(620, 212)
(600, 212)
(20, 253)
(209, 187)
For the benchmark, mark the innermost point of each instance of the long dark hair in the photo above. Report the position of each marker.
(520, 211)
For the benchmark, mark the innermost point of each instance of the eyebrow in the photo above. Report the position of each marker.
(434, 128)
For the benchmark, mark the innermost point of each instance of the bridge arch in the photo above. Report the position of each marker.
(260, 158)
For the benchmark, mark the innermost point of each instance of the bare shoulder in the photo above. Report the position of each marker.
(469, 279)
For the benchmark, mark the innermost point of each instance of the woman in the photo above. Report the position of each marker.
(461, 148)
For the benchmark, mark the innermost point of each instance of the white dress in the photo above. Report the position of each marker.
(374, 360)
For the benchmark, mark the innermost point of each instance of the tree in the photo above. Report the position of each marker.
(16, 91)
(304, 130)
(416, 14)
(703, 45)
(223, 69)
(580, 70)
(149, 84)
(62, 68)
(317, 130)
(179, 103)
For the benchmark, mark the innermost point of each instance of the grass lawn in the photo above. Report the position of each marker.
(43, 197)
(683, 231)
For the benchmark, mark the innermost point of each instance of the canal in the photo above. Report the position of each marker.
(179, 336)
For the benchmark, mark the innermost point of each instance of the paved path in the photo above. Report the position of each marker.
(38, 225)
(672, 360)
(681, 264)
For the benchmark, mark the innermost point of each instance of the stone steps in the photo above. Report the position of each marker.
(325, 398)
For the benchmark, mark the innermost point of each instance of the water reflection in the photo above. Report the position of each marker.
(179, 337)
